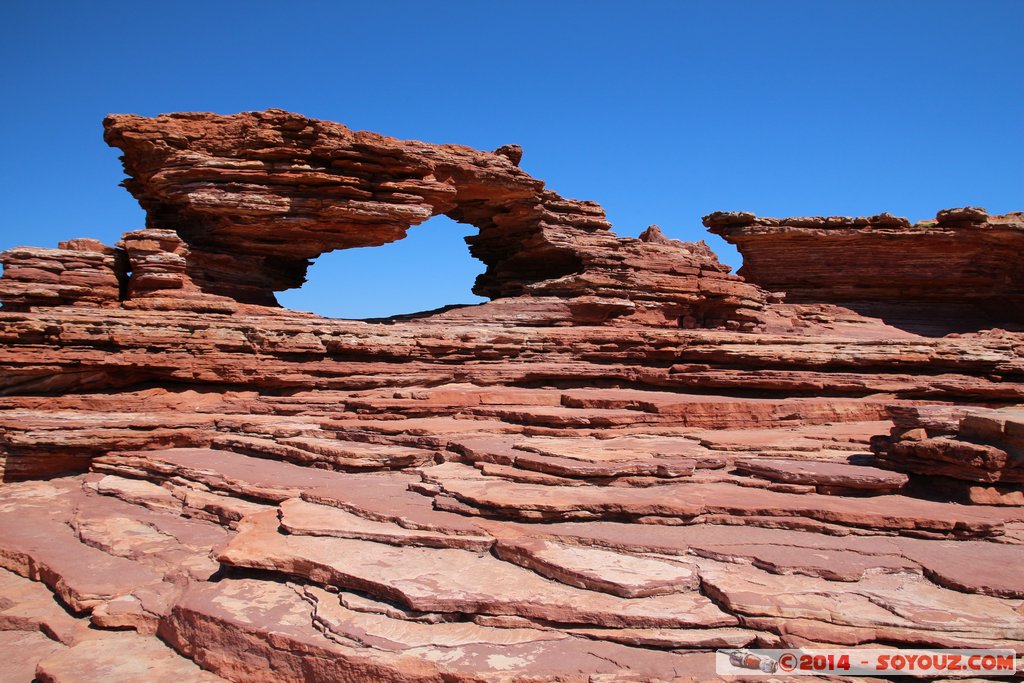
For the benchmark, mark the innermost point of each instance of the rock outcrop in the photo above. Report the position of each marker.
(255, 196)
(959, 272)
(626, 460)
(80, 272)
(974, 454)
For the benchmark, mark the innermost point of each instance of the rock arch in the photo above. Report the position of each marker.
(237, 206)
(278, 189)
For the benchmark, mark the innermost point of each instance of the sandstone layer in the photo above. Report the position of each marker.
(255, 196)
(626, 460)
(958, 272)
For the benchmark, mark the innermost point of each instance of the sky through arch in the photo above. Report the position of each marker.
(430, 268)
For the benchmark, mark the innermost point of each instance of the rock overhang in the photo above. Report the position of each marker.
(963, 265)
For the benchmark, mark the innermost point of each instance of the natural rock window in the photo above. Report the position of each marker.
(429, 269)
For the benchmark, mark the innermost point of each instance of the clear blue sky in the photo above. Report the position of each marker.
(661, 111)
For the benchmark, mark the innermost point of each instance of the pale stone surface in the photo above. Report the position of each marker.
(301, 518)
(21, 652)
(444, 580)
(621, 574)
(120, 657)
(889, 603)
(402, 652)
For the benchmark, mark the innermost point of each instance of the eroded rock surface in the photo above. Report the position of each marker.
(976, 455)
(253, 197)
(957, 272)
(627, 459)
(79, 272)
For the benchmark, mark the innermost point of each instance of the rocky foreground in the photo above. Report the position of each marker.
(626, 460)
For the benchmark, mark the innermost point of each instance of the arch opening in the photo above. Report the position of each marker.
(428, 269)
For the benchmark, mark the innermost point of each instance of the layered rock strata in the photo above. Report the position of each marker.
(960, 271)
(80, 272)
(976, 454)
(255, 196)
(577, 481)
(163, 275)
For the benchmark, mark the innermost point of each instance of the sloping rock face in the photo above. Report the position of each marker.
(626, 460)
(958, 272)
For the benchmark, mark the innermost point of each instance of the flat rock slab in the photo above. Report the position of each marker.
(240, 474)
(175, 546)
(380, 496)
(526, 476)
(445, 580)
(299, 517)
(812, 439)
(234, 473)
(836, 558)
(21, 651)
(274, 625)
(36, 542)
(386, 497)
(825, 474)
(903, 604)
(561, 417)
(831, 564)
(27, 605)
(574, 467)
(686, 502)
(216, 507)
(625, 575)
(381, 455)
(121, 656)
(677, 638)
(975, 567)
(723, 412)
(320, 451)
(433, 430)
(138, 491)
(984, 567)
(384, 632)
(612, 446)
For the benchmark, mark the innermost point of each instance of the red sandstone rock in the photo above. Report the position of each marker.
(959, 272)
(444, 580)
(301, 518)
(830, 476)
(987, 446)
(80, 273)
(683, 503)
(28, 606)
(120, 657)
(38, 543)
(255, 196)
(578, 480)
(888, 603)
(165, 275)
(236, 615)
(627, 576)
(22, 650)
